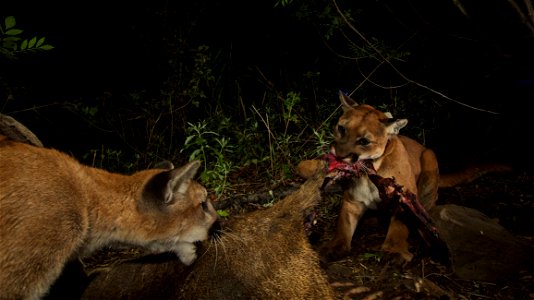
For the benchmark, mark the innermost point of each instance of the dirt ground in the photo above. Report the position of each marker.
(367, 273)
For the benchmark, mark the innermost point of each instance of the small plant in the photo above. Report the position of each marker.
(12, 44)
(371, 256)
(223, 213)
(111, 160)
(282, 140)
(214, 150)
(272, 200)
(323, 138)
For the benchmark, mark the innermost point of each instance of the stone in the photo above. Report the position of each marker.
(479, 247)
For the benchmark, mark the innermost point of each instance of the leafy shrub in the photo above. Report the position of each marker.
(13, 44)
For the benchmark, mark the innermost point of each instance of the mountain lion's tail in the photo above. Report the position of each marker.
(471, 173)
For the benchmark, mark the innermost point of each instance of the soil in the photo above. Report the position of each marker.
(368, 273)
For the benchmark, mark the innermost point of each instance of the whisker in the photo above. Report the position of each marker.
(237, 241)
(225, 236)
(216, 242)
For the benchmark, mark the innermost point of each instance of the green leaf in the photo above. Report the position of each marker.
(46, 47)
(24, 45)
(223, 213)
(32, 42)
(14, 31)
(194, 155)
(188, 140)
(8, 46)
(40, 42)
(10, 22)
(11, 39)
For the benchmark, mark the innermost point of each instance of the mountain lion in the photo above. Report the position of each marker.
(54, 209)
(263, 254)
(365, 133)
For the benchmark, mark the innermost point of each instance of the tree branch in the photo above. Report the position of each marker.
(524, 19)
(384, 59)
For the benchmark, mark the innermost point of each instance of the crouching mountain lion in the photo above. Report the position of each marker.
(54, 209)
(365, 133)
(263, 254)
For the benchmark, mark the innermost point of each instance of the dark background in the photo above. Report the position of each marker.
(485, 61)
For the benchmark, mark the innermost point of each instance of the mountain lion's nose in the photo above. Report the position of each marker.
(215, 230)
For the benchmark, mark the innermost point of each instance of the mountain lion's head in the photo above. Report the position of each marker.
(362, 132)
(180, 207)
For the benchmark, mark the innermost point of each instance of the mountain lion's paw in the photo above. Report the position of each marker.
(307, 168)
(334, 250)
(187, 253)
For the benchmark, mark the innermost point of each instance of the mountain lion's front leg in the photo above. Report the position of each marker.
(397, 239)
(362, 194)
(349, 215)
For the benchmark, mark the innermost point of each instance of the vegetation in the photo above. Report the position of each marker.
(270, 135)
(250, 89)
(261, 102)
(12, 44)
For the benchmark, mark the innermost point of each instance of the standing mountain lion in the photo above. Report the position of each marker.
(54, 209)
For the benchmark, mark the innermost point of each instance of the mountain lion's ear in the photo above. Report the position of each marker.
(166, 187)
(393, 127)
(164, 164)
(180, 180)
(346, 101)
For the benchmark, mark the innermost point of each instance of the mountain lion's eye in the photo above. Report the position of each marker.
(363, 142)
(341, 129)
(204, 205)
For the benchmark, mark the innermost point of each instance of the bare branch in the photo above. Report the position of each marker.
(524, 19)
(384, 59)
(460, 7)
(530, 10)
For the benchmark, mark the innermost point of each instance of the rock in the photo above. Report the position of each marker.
(480, 248)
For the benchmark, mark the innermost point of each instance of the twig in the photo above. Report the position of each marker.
(528, 22)
(530, 10)
(460, 7)
(256, 198)
(399, 72)
(270, 135)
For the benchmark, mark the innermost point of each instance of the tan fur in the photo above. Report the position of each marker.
(363, 132)
(264, 254)
(54, 209)
(471, 173)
